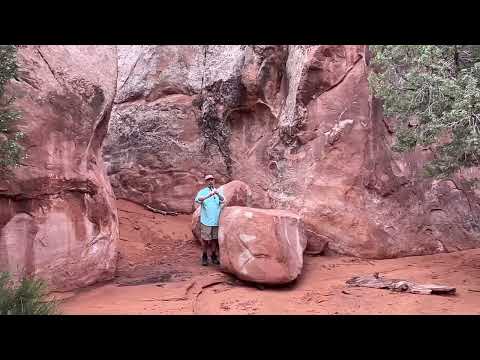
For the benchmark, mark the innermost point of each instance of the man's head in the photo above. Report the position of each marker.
(210, 180)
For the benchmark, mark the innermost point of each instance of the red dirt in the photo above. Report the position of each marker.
(159, 260)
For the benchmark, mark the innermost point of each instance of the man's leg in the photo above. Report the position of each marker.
(205, 240)
(214, 245)
(204, 251)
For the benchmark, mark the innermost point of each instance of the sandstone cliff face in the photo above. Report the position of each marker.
(173, 113)
(299, 126)
(57, 215)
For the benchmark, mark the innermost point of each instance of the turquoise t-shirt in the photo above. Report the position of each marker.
(210, 212)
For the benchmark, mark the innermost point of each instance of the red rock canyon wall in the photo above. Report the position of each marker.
(296, 123)
(57, 213)
(299, 126)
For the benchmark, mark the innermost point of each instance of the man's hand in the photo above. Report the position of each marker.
(213, 192)
(220, 196)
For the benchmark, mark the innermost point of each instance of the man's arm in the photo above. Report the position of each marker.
(220, 196)
(200, 199)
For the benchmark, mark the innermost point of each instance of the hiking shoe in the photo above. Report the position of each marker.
(204, 260)
(215, 260)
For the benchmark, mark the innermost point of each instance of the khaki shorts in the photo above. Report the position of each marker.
(208, 233)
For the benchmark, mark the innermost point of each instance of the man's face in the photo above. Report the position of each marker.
(211, 182)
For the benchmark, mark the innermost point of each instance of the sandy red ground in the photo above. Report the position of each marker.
(159, 272)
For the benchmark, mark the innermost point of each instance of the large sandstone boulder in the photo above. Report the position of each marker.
(57, 214)
(236, 193)
(263, 246)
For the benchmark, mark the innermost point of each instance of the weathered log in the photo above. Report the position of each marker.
(377, 282)
(171, 213)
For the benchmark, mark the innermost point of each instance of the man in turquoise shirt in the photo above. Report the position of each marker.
(210, 199)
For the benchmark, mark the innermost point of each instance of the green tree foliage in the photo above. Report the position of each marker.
(10, 150)
(438, 87)
(27, 297)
